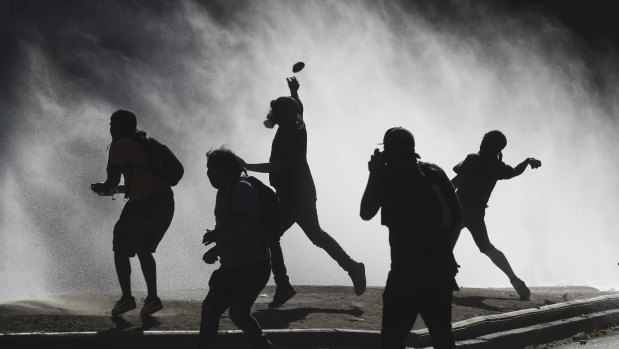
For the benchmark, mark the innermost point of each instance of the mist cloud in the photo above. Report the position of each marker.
(199, 75)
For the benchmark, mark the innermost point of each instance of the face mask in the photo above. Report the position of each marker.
(269, 122)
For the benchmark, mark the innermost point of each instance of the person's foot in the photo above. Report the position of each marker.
(357, 275)
(151, 306)
(282, 295)
(123, 305)
(522, 289)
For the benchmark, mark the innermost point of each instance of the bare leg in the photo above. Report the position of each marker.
(498, 258)
(123, 270)
(149, 269)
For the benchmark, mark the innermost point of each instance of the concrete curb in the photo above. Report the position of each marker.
(499, 323)
(508, 330)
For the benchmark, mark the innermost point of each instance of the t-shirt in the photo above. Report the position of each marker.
(127, 152)
(478, 177)
(246, 247)
(290, 149)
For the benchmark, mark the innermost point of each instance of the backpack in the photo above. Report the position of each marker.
(162, 163)
(428, 203)
(452, 217)
(270, 207)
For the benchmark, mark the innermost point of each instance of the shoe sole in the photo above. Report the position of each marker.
(151, 311)
(120, 312)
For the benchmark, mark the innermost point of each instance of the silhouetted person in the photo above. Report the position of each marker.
(290, 175)
(243, 250)
(475, 179)
(146, 215)
(419, 206)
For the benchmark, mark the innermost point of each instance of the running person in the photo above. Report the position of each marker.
(242, 248)
(290, 175)
(145, 217)
(475, 179)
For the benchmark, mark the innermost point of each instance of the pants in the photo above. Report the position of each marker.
(237, 289)
(301, 209)
(403, 300)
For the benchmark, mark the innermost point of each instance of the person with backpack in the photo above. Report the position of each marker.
(150, 207)
(242, 248)
(476, 177)
(290, 175)
(419, 206)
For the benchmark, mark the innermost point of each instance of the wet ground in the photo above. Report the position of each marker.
(312, 307)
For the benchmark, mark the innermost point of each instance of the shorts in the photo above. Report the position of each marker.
(474, 222)
(143, 223)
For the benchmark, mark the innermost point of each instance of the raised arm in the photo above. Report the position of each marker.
(293, 85)
(370, 202)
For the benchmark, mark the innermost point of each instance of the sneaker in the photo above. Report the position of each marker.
(151, 306)
(357, 275)
(522, 289)
(282, 295)
(123, 305)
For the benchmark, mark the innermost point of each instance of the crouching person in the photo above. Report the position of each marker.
(242, 249)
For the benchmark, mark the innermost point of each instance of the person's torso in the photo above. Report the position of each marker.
(479, 177)
(248, 246)
(129, 154)
(289, 148)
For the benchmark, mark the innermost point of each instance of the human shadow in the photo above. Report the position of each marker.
(281, 318)
(148, 322)
(120, 324)
(478, 302)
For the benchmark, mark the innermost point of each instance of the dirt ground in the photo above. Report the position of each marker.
(312, 307)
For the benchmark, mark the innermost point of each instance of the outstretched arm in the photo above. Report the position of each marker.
(523, 165)
(266, 167)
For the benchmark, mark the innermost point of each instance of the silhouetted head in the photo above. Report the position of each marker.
(493, 143)
(222, 167)
(123, 123)
(284, 111)
(399, 143)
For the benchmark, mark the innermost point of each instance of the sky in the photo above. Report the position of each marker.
(201, 74)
